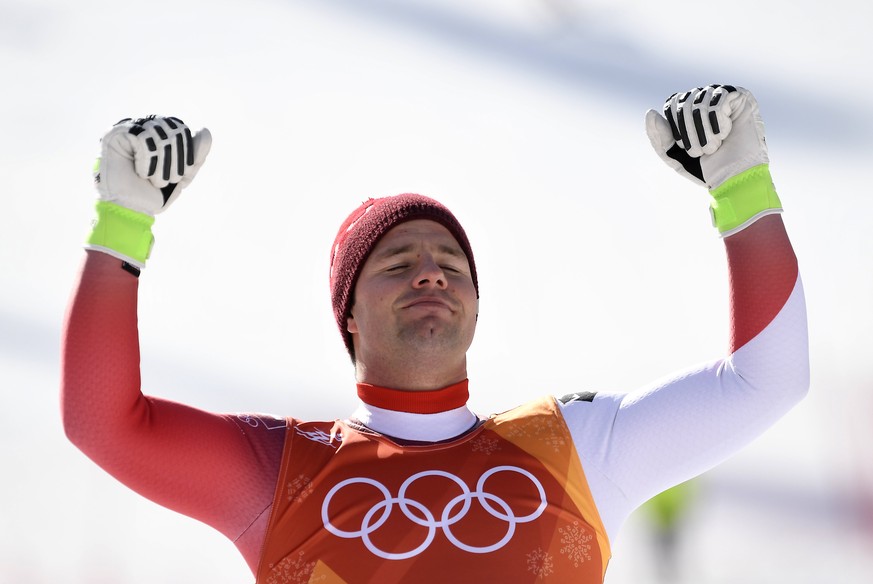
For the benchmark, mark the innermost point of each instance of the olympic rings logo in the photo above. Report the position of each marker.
(452, 513)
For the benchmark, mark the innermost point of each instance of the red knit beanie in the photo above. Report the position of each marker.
(363, 229)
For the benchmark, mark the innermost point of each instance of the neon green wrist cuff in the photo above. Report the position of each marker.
(741, 199)
(123, 231)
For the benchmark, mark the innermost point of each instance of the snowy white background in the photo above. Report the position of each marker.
(598, 266)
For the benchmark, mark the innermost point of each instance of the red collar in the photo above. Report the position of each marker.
(415, 402)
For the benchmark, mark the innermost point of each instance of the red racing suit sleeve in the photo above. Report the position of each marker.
(219, 469)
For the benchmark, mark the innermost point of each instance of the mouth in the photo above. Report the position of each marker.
(428, 302)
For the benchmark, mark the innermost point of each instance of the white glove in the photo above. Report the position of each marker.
(709, 134)
(144, 164)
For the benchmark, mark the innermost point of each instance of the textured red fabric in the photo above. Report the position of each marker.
(220, 469)
(363, 229)
(415, 402)
(763, 270)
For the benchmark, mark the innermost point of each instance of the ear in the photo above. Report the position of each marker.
(351, 325)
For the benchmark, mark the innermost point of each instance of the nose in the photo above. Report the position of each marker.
(429, 274)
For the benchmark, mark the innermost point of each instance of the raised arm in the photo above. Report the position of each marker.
(638, 444)
(220, 469)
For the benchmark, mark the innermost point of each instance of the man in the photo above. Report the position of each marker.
(413, 486)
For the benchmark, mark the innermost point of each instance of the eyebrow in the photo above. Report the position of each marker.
(451, 250)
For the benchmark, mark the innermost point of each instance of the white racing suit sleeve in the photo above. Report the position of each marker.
(635, 445)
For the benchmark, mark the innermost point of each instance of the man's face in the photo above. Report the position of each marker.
(414, 297)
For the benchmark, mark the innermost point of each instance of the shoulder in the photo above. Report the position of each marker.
(579, 396)
(260, 422)
(264, 433)
(547, 406)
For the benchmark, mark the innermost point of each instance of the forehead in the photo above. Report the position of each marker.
(417, 230)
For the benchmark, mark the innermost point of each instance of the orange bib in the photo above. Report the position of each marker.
(507, 502)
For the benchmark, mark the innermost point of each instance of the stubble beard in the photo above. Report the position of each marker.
(432, 336)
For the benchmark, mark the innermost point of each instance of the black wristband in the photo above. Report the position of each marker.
(131, 269)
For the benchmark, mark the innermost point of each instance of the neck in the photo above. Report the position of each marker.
(421, 416)
(425, 377)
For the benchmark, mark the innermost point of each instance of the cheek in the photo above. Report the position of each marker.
(467, 295)
(370, 308)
